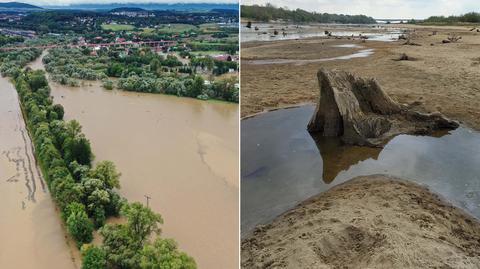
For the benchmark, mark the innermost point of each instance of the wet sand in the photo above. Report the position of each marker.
(445, 77)
(31, 232)
(373, 221)
(181, 152)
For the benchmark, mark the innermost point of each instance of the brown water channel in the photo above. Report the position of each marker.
(282, 164)
(181, 152)
(31, 234)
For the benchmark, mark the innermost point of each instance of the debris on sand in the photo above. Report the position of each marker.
(376, 221)
(405, 57)
(411, 43)
(451, 39)
(361, 113)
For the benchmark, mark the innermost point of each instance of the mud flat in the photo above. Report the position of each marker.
(443, 77)
(181, 152)
(375, 221)
(30, 227)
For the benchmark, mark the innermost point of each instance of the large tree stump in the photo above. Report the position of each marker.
(361, 113)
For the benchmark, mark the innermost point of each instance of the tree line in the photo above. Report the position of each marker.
(471, 17)
(86, 194)
(269, 12)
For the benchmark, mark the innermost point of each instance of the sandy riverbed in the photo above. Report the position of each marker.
(444, 77)
(373, 221)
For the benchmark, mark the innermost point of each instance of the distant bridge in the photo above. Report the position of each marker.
(155, 44)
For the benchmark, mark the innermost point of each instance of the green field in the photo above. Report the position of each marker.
(207, 52)
(118, 27)
(210, 27)
(175, 28)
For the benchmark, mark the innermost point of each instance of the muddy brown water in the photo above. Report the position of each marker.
(31, 233)
(181, 152)
(282, 164)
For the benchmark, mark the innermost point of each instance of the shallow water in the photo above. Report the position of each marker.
(182, 152)
(282, 164)
(266, 32)
(31, 235)
(359, 54)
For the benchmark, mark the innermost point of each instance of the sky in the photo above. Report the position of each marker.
(380, 9)
(67, 2)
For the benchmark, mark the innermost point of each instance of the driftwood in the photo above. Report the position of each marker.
(451, 39)
(361, 113)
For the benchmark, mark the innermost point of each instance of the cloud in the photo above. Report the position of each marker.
(384, 9)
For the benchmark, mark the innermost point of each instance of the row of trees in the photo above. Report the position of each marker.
(269, 12)
(86, 194)
(472, 17)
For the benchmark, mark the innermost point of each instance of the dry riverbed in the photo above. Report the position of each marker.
(443, 77)
(373, 221)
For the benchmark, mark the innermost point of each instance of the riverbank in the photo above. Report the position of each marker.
(443, 77)
(373, 221)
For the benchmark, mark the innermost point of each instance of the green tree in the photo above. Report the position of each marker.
(37, 80)
(141, 221)
(106, 172)
(80, 226)
(164, 254)
(123, 243)
(93, 257)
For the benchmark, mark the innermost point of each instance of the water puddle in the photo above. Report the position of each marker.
(266, 32)
(359, 54)
(282, 164)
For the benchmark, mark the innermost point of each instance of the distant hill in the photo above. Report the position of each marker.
(127, 9)
(269, 12)
(150, 6)
(17, 5)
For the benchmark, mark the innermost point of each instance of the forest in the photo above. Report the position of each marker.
(86, 194)
(269, 12)
(143, 71)
(471, 17)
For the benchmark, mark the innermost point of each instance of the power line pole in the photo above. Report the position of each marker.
(148, 199)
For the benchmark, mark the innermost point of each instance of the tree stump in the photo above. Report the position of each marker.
(361, 113)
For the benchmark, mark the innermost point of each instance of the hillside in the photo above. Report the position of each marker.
(270, 12)
(127, 9)
(148, 6)
(17, 5)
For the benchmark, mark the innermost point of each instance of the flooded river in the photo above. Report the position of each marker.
(181, 152)
(282, 164)
(31, 235)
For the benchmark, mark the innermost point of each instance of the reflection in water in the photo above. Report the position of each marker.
(283, 165)
(337, 157)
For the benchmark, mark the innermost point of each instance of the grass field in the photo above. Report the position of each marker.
(207, 52)
(118, 27)
(176, 28)
(209, 27)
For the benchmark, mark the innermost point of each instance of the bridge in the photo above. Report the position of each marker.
(155, 44)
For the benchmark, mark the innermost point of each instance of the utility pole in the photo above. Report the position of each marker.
(148, 199)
